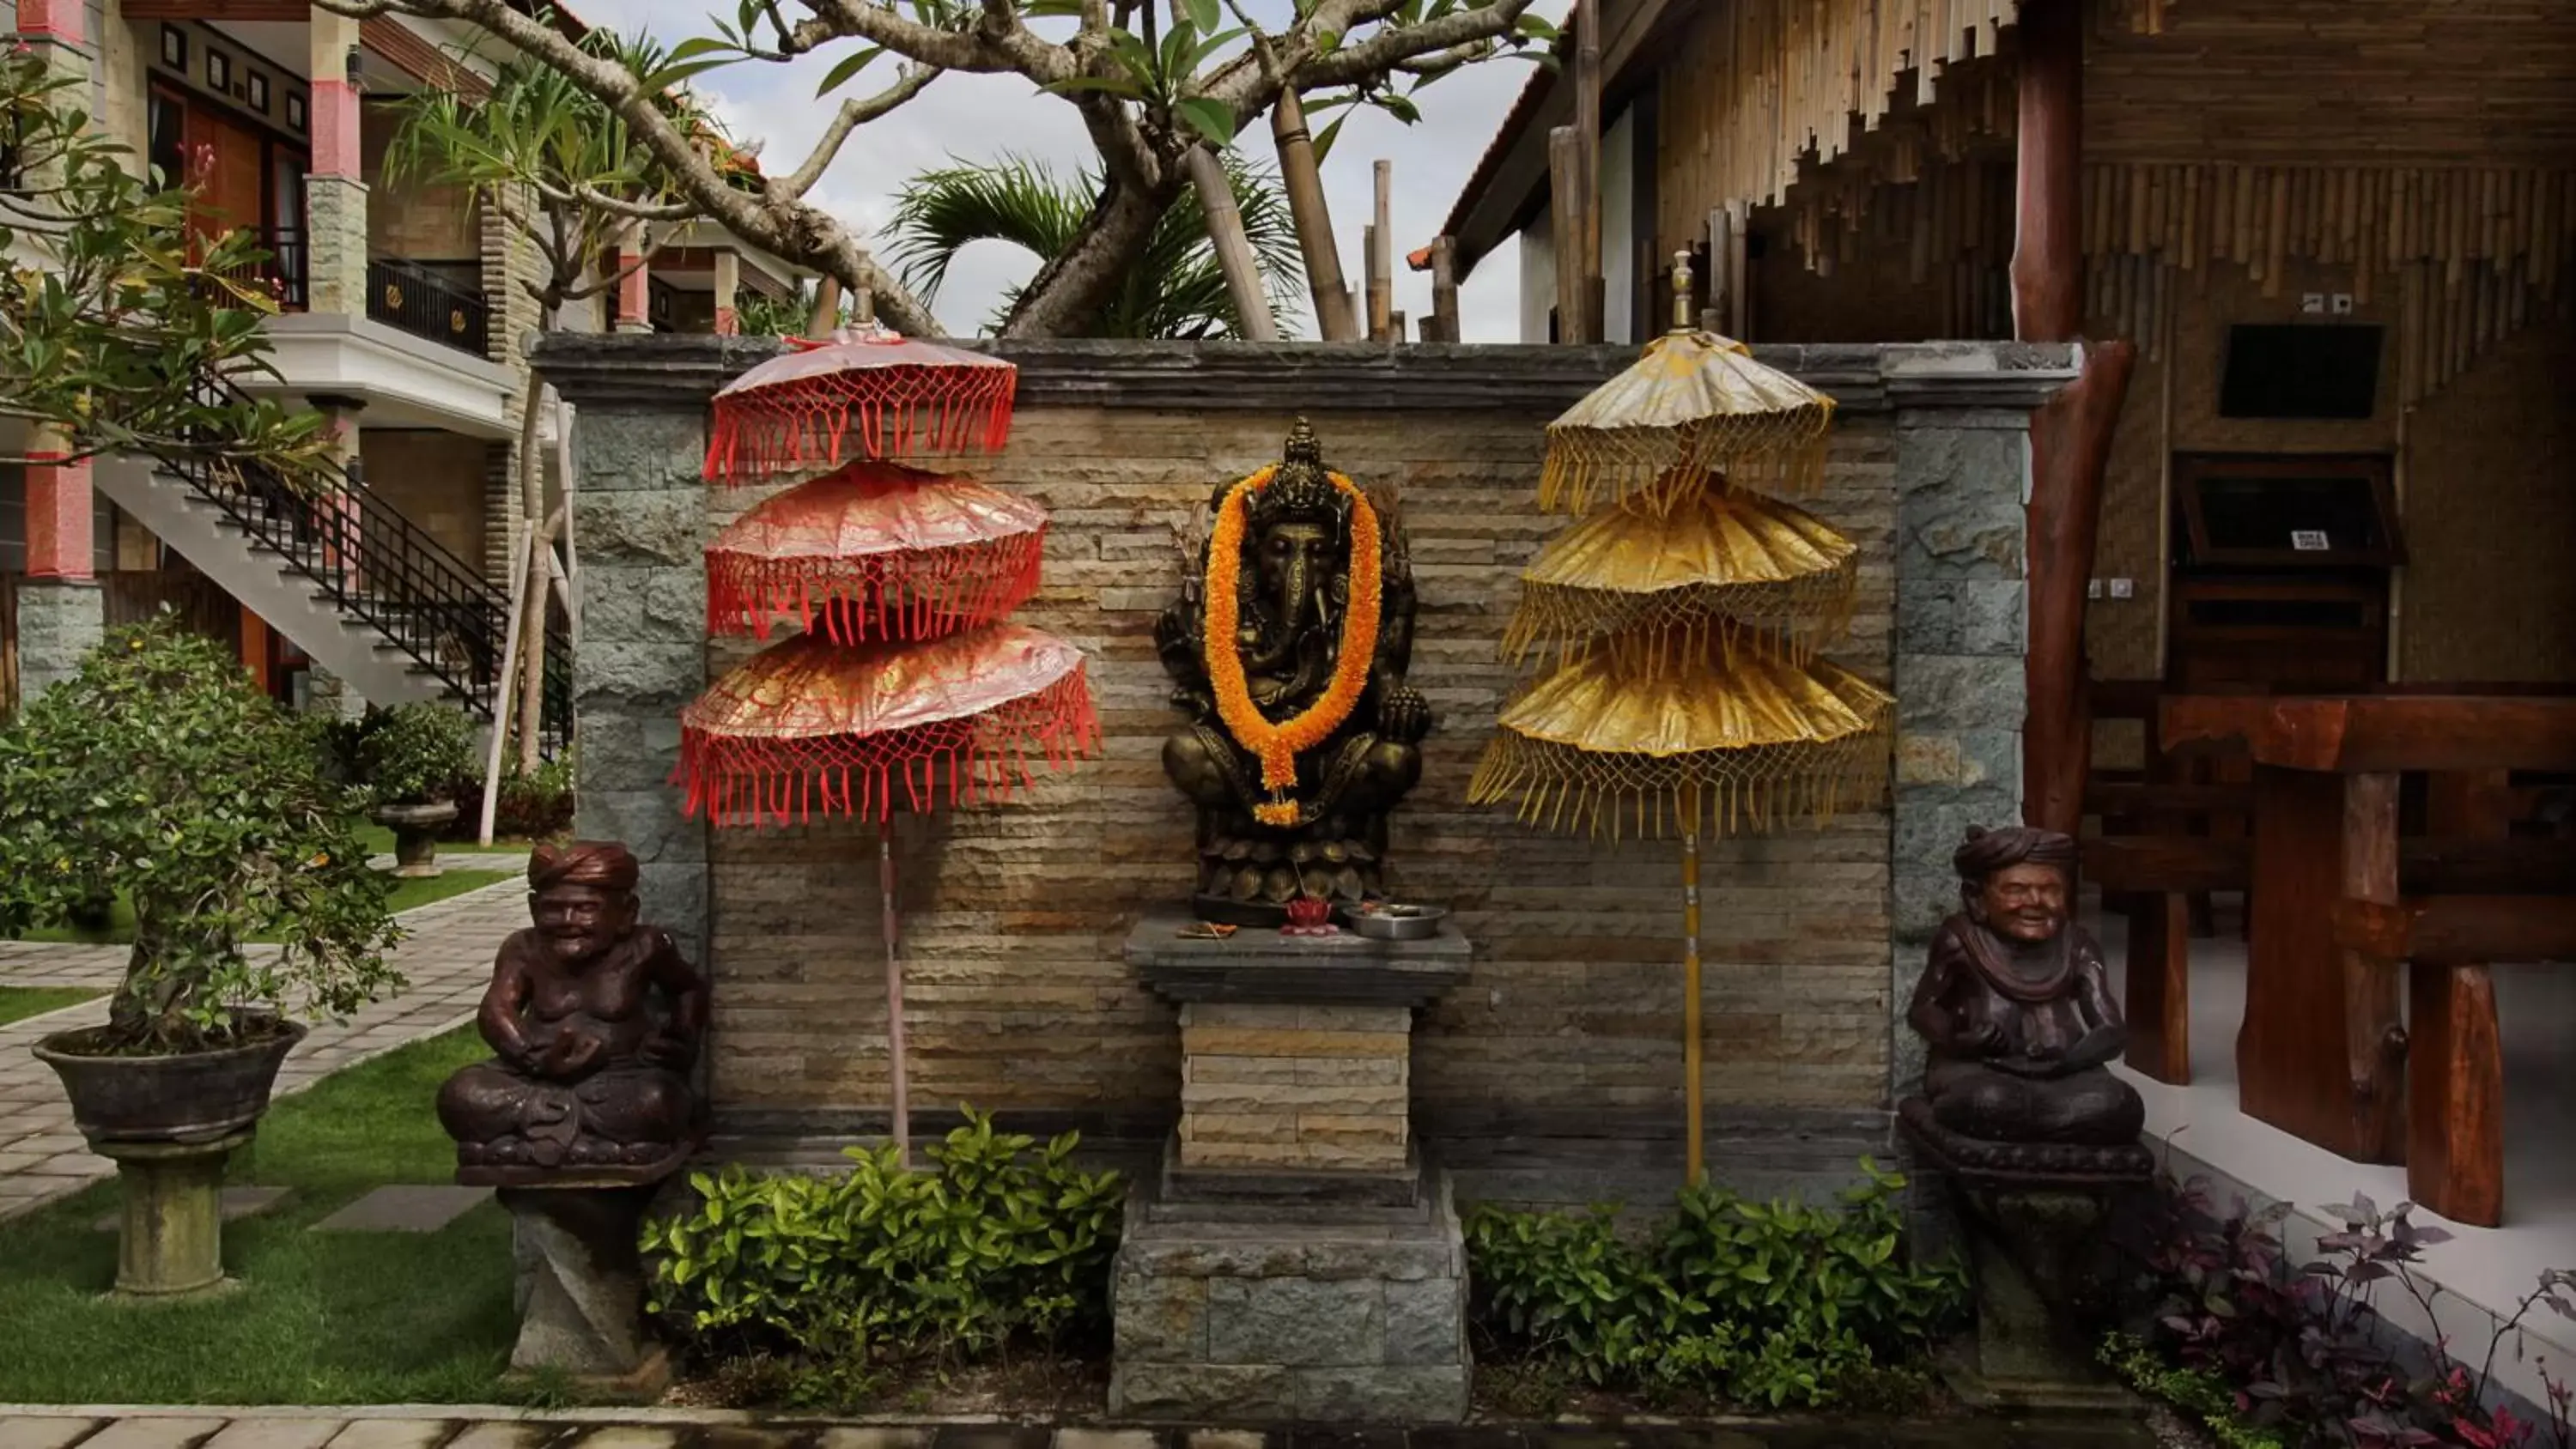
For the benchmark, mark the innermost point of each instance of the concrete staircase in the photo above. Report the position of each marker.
(420, 627)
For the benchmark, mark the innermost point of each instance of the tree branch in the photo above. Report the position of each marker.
(852, 115)
(783, 226)
(1389, 49)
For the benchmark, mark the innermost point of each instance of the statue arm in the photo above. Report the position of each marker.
(1932, 1015)
(679, 1037)
(2106, 1034)
(503, 1000)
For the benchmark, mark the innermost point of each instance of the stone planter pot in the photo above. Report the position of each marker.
(169, 1122)
(416, 829)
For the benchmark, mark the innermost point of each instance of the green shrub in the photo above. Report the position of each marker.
(1771, 1305)
(538, 806)
(990, 1244)
(161, 769)
(2197, 1392)
(416, 753)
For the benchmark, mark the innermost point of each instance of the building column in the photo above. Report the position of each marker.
(61, 613)
(728, 286)
(335, 198)
(634, 284)
(324, 692)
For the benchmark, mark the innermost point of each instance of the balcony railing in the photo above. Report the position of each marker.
(280, 273)
(410, 296)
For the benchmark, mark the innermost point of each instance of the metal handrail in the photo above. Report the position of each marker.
(402, 293)
(373, 563)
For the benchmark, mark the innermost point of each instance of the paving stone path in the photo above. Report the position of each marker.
(474, 1428)
(447, 959)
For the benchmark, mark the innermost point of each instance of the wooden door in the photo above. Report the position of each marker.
(230, 165)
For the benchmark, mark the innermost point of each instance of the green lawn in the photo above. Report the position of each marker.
(17, 1003)
(406, 895)
(316, 1317)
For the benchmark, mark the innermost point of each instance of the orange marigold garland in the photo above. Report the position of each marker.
(1278, 744)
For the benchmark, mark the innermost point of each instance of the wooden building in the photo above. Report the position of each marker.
(2337, 230)
(2324, 445)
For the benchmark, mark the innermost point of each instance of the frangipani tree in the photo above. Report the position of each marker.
(120, 326)
(566, 175)
(1153, 83)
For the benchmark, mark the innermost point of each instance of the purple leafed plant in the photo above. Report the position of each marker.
(2305, 1350)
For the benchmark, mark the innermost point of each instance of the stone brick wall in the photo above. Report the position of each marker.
(1012, 918)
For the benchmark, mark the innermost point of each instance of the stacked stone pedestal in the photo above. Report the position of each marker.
(1296, 1258)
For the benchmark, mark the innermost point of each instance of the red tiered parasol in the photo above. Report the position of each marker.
(903, 398)
(876, 551)
(809, 724)
(910, 691)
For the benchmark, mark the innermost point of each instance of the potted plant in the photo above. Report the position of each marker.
(161, 769)
(412, 759)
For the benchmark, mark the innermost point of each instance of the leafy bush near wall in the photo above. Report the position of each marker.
(2284, 1355)
(990, 1245)
(532, 807)
(1768, 1305)
(415, 753)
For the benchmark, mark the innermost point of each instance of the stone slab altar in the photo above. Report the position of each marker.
(1297, 1258)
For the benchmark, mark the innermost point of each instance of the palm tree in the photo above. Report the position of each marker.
(1174, 289)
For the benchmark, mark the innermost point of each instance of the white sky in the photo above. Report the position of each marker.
(978, 118)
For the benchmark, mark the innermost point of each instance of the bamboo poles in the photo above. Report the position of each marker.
(1302, 178)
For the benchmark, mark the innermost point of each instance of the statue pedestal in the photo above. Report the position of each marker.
(170, 1236)
(2036, 1219)
(580, 1287)
(1296, 1259)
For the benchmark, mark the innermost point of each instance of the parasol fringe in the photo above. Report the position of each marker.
(914, 596)
(761, 432)
(987, 757)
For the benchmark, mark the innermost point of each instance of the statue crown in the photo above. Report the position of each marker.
(1302, 490)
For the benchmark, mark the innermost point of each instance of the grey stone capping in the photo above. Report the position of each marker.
(685, 371)
(1257, 965)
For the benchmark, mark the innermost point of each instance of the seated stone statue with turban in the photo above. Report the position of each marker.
(595, 1022)
(2016, 1007)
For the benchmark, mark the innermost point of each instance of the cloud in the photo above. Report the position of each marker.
(982, 117)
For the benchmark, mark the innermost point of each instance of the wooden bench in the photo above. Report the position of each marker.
(2347, 914)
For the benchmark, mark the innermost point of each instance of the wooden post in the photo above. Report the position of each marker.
(1444, 289)
(2070, 437)
(1300, 176)
(1381, 256)
(1721, 251)
(2373, 1039)
(1587, 130)
(1565, 206)
(1395, 323)
(827, 310)
(1233, 249)
(2070, 445)
(2455, 1060)
(1368, 268)
(1739, 258)
(2048, 244)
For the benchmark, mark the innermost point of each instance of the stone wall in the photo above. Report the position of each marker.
(1012, 918)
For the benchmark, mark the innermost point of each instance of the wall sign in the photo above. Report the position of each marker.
(2309, 540)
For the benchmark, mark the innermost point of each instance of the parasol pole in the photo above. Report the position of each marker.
(1695, 1160)
(894, 993)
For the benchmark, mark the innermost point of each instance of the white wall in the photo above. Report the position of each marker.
(1618, 245)
(1618, 231)
(1538, 279)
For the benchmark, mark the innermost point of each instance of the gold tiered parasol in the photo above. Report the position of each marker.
(1720, 559)
(1683, 613)
(1695, 401)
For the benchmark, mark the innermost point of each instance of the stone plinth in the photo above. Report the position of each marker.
(1297, 1259)
(580, 1288)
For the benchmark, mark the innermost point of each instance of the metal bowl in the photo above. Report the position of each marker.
(1394, 921)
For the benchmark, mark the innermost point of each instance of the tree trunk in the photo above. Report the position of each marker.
(1071, 290)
